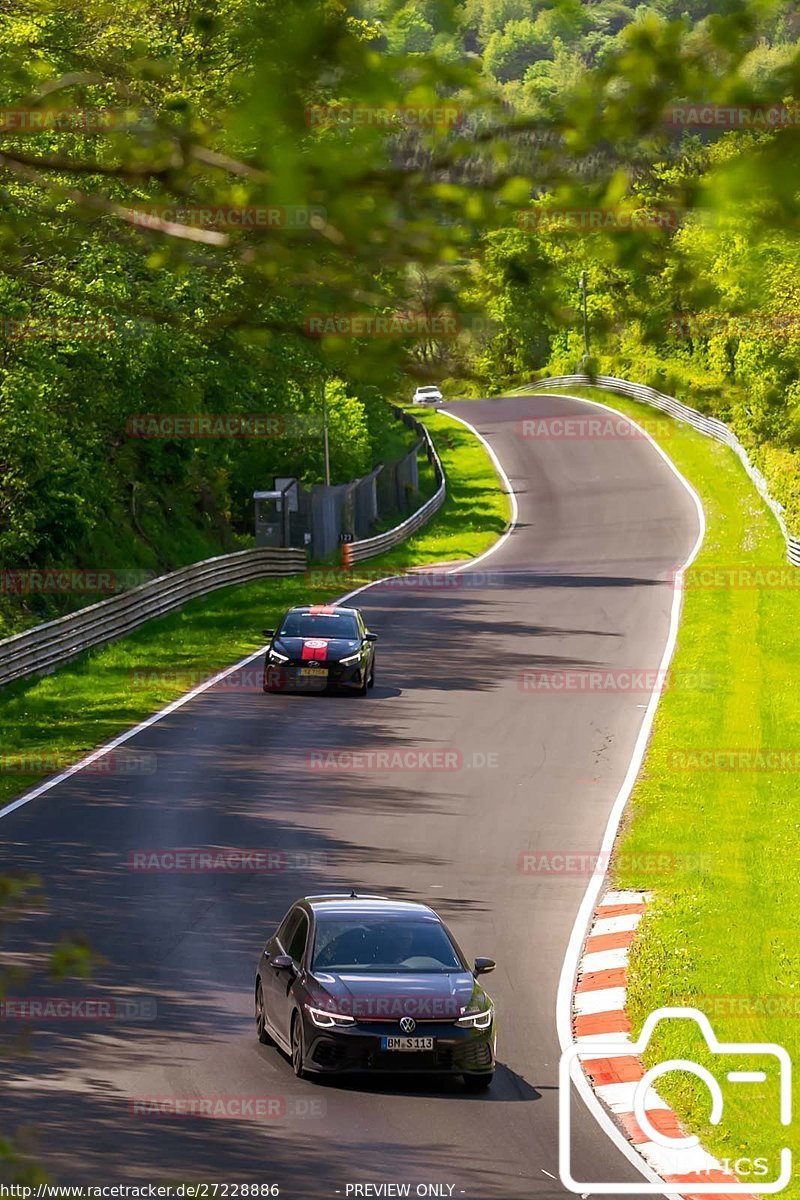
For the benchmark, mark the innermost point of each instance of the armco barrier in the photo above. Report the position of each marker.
(354, 552)
(710, 426)
(39, 650)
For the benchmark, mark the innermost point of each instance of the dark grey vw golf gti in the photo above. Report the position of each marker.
(362, 983)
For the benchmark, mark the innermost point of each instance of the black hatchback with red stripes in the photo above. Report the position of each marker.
(318, 646)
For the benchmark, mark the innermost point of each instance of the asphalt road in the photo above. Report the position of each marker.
(583, 582)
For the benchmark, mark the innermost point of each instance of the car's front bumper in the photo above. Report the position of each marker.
(357, 1048)
(288, 677)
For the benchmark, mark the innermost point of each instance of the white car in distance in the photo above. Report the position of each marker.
(428, 395)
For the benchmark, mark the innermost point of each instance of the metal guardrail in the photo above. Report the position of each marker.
(354, 552)
(710, 426)
(39, 650)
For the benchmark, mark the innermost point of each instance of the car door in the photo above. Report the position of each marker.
(367, 648)
(296, 939)
(274, 981)
(363, 644)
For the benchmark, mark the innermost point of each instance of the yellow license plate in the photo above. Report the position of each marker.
(313, 672)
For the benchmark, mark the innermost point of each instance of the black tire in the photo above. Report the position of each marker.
(298, 1058)
(372, 675)
(261, 1024)
(478, 1083)
(362, 691)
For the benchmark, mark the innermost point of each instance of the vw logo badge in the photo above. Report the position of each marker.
(408, 1024)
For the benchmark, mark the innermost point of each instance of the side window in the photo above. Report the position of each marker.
(298, 938)
(287, 929)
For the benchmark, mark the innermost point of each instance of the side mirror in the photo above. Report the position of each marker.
(370, 637)
(282, 962)
(268, 633)
(483, 966)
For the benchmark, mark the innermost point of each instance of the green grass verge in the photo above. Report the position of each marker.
(47, 722)
(722, 931)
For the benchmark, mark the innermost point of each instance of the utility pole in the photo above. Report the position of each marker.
(325, 434)
(582, 286)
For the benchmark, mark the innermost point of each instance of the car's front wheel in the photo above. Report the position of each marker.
(298, 1058)
(478, 1083)
(261, 1017)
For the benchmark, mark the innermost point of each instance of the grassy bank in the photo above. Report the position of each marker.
(722, 932)
(45, 723)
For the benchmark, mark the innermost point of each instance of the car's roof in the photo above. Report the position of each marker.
(322, 609)
(348, 904)
(428, 387)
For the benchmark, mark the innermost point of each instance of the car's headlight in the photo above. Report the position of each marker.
(479, 1020)
(324, 1019)
(274, 656)
(351, 658)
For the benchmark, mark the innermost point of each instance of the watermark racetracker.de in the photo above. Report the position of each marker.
(561, 681)
(420, 580)
(419, 117)
(53, 762)
(570, 862)
(227, 1107)
(223, 860)
(408, 758)
(592, 429)
(597, 219)
(62, 581)
(232, 216)
(35, 1010)
(737, 759)
(701, 115)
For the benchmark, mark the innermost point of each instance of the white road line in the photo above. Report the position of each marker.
(501, 471)
(580, 928)
(581, 925)
(108, 747)
(41, 788)
(569, 969)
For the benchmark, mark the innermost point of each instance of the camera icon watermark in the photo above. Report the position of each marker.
(674, 1155)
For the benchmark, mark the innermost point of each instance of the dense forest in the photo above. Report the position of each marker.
(197, 199)
(682, 210)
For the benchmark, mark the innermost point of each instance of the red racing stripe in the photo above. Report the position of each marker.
(315, 650)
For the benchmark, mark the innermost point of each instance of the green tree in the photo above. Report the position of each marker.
(510, 53)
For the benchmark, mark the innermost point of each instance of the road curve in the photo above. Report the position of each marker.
(582, 583)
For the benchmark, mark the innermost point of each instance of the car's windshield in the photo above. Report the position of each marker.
(364, 944)
(326, 625)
